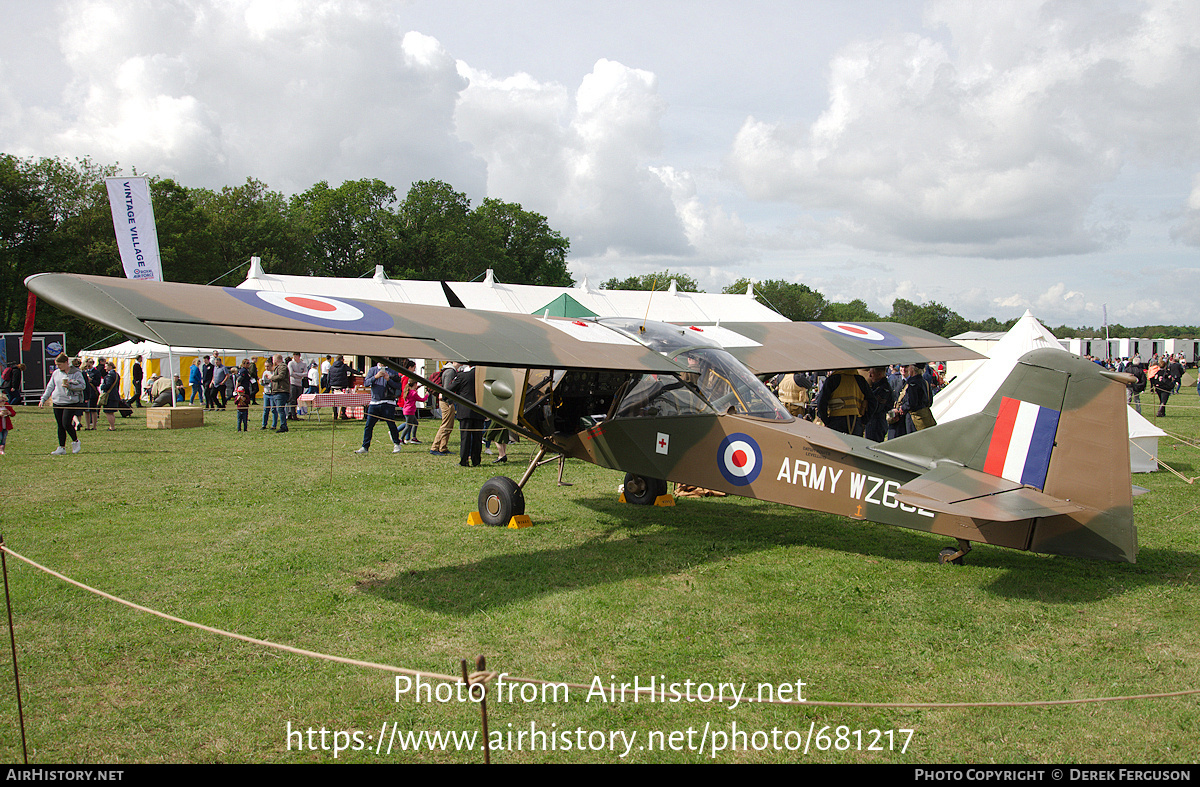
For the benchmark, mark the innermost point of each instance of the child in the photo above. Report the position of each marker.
(408, 403)
(241, 400)
(6, 414)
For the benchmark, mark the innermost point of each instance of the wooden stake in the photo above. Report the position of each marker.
(12, 638)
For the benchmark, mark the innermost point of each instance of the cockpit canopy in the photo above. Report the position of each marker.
(715, 383)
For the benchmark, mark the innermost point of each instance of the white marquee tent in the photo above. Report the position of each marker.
(159, 358)
(667, 305)
(975, 385)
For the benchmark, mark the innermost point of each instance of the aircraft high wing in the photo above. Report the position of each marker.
(1043, 468)
(193, 315)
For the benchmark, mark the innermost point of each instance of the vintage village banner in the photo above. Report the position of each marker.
(133, 220)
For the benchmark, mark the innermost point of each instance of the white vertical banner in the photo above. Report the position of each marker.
(133, 220)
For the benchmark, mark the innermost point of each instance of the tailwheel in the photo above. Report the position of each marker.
(642, 491)
(954, 555)
(500, 499)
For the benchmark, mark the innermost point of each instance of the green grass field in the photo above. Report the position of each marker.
(293, 539)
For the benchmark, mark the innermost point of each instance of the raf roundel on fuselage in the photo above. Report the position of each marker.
(740, 459)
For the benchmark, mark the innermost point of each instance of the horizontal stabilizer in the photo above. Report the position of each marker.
(953, 489)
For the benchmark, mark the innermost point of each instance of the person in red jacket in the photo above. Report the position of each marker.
(6, 414)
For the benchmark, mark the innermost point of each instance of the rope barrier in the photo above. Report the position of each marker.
(1164, 464)
(489, 676)
(1188, 441)
(232, 635)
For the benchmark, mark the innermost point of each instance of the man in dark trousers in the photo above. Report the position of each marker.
(385, 387)
(206, 371)
(470, 423)
(136, 375)
(1177, 372)
(341, 377)
(1164, 385)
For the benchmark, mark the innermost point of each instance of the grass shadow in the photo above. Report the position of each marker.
(657, 542)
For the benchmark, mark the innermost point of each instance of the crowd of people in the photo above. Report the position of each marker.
(878, 403)
(390, 389)
(394, 399)
(881, 403)
(1163, 375)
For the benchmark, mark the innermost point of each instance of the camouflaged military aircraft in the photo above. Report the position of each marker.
(1044, 467)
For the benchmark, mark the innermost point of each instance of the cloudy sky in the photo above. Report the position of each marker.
(1041, 155)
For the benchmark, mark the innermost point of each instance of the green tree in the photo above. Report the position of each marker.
(63, 223)
(653, 281)
(186, 244)
(521, 246)
(26, 225)
(797, 302)
(932, 317)
(991, 324)
(251, 221)
(854, 311)
(345, 231)
(437, 236)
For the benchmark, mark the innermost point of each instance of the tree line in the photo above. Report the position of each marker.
(55, 216)
(802, 303)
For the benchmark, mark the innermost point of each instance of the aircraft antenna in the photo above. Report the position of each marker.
(653, 286)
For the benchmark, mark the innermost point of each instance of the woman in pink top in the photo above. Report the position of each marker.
(408, 406)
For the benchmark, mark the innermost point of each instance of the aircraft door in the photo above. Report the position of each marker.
(500, 390)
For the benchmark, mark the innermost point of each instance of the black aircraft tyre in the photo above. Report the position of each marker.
(500, 499)
(643, 491)
(946, 556)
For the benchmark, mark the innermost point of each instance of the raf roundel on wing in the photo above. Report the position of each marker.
(332, 313)
(739, 459)
(862, 333)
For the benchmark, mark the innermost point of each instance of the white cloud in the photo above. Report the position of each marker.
(1052, 133)
(992, 134)
(1061, 300)
(583, 159)
(290, 92)
(1187, 230)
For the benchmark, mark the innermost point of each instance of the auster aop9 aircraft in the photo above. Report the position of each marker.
(1044, 467)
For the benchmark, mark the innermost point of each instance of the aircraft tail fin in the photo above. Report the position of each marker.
(1051, 446)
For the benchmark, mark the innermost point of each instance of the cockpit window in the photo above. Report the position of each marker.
(716, 383)
(728, 385)
(659, 395)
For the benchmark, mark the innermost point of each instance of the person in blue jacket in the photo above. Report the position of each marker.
(385, 389)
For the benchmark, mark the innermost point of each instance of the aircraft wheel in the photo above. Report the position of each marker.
(643, 491)
(500, 499)
(947, 556)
